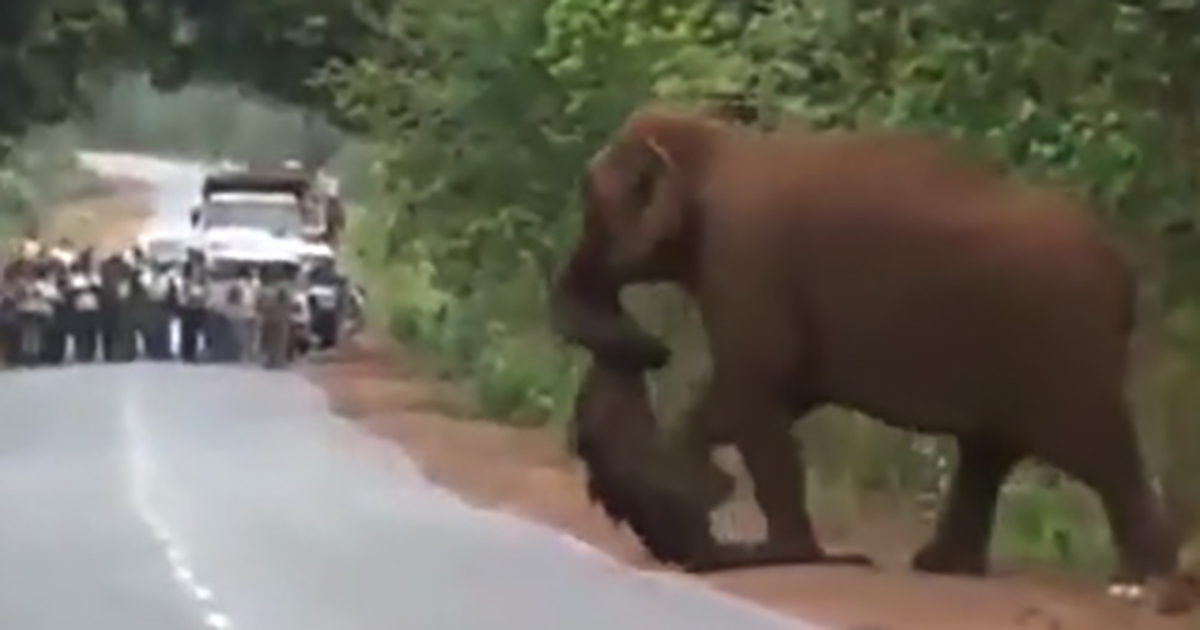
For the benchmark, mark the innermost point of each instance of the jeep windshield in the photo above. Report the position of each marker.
(278, 214)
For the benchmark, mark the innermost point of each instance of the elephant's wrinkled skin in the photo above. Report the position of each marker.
(881, 273)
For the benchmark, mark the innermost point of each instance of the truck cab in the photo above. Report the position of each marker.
(277, 202)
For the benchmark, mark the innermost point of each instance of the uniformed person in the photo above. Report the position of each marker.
(64, 252)
(118, 283)
(275, 301)
(9, 331)
(9, 289)
(52, 284)
(154, 322)
(355, 316)
(243, 313)
(221, 345)
(83, 296)
(34, 311)
(300, 328)
(335, 219)
(193, 293)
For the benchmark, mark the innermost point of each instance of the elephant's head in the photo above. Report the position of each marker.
(639, 194)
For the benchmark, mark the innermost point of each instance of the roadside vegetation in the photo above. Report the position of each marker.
(41, 172)
(480, 114)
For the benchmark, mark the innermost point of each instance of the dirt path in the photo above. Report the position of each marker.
(107, 216)
(526, 472)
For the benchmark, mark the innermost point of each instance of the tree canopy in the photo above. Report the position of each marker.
(51, 49)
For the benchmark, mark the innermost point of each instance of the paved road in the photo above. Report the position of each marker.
(167, 497)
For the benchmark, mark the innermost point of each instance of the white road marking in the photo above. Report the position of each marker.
(217, 621)
(141, 475)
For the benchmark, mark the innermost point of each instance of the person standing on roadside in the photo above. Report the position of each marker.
(34, 311)
(118, 295)
(231, 315)
(155, 320)
(9, 329)
(52, 284)
(83, 296)
(244, 313)
(335, 219)
(275, 317)
(193, 297)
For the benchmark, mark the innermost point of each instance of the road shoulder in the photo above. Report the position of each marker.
(108, 215)
(526, 472)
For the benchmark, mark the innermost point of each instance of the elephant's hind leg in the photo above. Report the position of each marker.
(1109, 462)
(964, 529)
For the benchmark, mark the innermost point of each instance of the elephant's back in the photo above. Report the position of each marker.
(926, 282)
(915, 210)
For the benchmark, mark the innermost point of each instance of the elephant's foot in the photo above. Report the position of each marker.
(1174, 595)
(947, 559)
(737, 556)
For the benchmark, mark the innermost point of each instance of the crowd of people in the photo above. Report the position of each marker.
(60, 303)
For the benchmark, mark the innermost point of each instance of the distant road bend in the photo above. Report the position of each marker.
(169, 497)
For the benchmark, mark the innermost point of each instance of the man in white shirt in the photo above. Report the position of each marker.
(154, 323)
(243, 313)
(83, 296)
(193, 309)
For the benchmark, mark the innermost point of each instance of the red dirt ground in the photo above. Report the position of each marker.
(107, 215)
(526, 472)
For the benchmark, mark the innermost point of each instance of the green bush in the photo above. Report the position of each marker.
(1063, 527)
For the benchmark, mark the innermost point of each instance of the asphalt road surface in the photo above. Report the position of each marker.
(170, 497)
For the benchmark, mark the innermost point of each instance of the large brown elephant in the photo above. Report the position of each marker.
(880, 272)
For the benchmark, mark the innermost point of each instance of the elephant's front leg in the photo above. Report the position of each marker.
(774, 462)
(776, 467)
(699, 434)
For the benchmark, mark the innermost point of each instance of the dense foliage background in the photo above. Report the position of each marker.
(473, 118)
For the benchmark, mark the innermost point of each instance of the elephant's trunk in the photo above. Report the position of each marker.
(586, 310)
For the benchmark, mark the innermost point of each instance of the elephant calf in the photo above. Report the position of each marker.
(881, 273)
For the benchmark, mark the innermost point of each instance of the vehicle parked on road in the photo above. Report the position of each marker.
(284, 202)
(165, 245)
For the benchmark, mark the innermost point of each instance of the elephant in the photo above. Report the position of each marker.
(882, 272)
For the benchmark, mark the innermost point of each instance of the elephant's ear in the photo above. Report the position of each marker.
(656, 192)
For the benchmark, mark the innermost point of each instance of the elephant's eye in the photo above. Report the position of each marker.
(643, 187)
